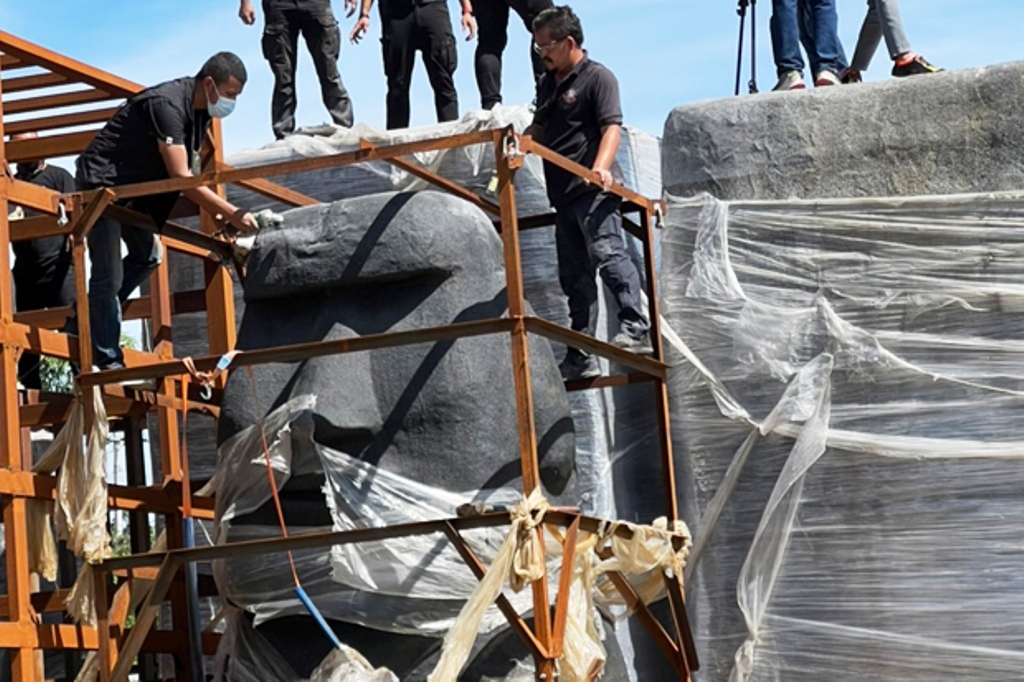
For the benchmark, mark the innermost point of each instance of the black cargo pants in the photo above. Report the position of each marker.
(588, 239)
(409, 26)
(323, 39)
(492, 22)
(43, 278)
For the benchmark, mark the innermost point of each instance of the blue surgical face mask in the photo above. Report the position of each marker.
(222, 107)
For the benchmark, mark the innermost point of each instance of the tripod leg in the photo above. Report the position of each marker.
(739, 56)
(752, 85)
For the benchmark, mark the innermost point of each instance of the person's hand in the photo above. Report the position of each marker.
(350, 7)
(359, 30)
(243, 221)
(469, 25)
(606, 178)
(246, 13)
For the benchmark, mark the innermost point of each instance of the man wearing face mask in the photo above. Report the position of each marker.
(42, 267)
(156, 134)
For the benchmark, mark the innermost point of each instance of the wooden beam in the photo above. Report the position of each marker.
(146, 617)
(30, 196)
(37, 227)
(42, 602)
(74, 70)
(550, 330)
(277, 192)
(23, 83)
(64, 99)
(10, 63)
(609, 382)
(50, 146)
(78, 118)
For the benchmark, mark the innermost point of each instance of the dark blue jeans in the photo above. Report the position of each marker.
(112, 280)
(815, 23)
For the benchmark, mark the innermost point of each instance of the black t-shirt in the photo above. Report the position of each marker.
(306, 5)
(571, 114)
(126, 151)
(37, 256)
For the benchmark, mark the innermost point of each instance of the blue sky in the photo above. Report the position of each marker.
(665, 52)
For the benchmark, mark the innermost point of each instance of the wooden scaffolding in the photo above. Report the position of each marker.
(27, 68)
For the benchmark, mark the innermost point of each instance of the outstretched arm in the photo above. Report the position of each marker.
(175, 158)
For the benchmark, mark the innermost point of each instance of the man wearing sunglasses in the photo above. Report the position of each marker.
(580, 117)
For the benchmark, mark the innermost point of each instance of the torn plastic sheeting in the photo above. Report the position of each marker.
(874, 344)
(413, 585)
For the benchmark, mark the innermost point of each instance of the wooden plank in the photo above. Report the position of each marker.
(9, 62)
(51, 146)
(84, 338)
(149, 499)
(100, 580)
(78, 118)
(182, 302)
(445, 184)
(684, 636)
(30, 196)
(42, 602)
(220, 297)
(146, 617)
(86, 218)
(23, 83)
(64, 99)
(74, 70)
(19, 587)
(37, 227)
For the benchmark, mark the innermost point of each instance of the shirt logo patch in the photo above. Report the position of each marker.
(169, 141)
(569, 96)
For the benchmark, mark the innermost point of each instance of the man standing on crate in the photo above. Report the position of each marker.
(42, 267)
(579, 116)
(284, 21)
(408, 26)
(155, 135)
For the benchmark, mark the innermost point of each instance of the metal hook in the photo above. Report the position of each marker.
(62, 214)
(207, 392)
(512, 146)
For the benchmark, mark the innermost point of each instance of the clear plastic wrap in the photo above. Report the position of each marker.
(845, 432)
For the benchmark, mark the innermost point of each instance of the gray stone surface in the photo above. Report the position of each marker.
(946, 133)
(440, 413)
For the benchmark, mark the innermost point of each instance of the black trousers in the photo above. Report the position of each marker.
(588, 239)
(427, 28)
(42, 279)
(492, 22)
(320, 30)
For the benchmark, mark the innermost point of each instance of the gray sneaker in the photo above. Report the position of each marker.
(577, 366)
(641, 345)
(790, 80)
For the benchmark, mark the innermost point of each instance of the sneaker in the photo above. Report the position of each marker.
(912, 65)
(825, 78)
(849, 76)
(578, 366)
(790, 80)
(641, 345)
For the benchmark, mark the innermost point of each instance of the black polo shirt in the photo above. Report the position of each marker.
(126, 151)
(36, 257)
(571, 114)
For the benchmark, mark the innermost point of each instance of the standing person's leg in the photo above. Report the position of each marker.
(145, 253)
(105, 281)
(602, 228)
(826, 35)
(786, 44)
(492, 27)
(397, 30)
(870, 37)
(528, 11)
(437, 42)
(892, 28)
(577, 278)
(323, 39)
(280, 37)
